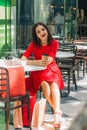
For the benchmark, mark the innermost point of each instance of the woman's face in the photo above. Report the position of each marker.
(41, 32)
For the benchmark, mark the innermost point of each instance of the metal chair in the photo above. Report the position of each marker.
(8, 100)
(81, 57)
(67, 65)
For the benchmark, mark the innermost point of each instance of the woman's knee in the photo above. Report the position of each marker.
(43, 83)
(45, 88)
(54, 87)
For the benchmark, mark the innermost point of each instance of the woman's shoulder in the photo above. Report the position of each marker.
(53, 41)
(31, 44)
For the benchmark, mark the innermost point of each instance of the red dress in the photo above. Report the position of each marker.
(51, 73)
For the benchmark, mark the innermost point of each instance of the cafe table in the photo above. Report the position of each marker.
(80, 42)
(79, 47)
(16, 63)
(61, 54)
(28, 68)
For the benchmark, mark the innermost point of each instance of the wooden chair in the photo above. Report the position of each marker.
(7, 99)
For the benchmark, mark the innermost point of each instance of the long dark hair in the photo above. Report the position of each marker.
(36, 40)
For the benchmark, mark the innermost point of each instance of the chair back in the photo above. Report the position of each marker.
(12, 82)
(13, 91)
(69, 48)
(4, 82)
(67, 64)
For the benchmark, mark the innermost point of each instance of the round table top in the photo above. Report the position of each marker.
(12, 64)
(81, 47)
(33, 68)
(29, 67)
(80, 42)
(61, 54)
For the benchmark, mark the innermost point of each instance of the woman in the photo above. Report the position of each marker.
(49, 79)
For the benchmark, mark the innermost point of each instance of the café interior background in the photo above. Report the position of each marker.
(18, 16)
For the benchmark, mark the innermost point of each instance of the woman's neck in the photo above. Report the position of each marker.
(44, 42)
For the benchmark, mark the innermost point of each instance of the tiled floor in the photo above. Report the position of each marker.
(70, 105)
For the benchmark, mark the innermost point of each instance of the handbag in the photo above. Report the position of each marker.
(38, 113)
(16, 82)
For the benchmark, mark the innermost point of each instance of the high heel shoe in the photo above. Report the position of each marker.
(57, 119)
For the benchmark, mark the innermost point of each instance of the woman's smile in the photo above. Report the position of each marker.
(41, 32)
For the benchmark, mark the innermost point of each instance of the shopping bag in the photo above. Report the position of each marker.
(24, 110)
(32, 102)
(38, 113)
(16, 82)
(17, 116)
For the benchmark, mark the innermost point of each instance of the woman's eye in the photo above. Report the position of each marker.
(38, 32)
(43, 29)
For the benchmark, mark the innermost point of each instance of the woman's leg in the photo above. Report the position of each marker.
(47, 93)
(56, 104)
(55, 92)
(52, 94)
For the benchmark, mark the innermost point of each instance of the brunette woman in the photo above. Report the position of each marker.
(49, 79)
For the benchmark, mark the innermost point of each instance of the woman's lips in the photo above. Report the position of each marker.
(43, 35)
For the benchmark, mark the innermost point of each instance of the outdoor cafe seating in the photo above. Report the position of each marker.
(14, 88)
(81, 55)
(10, 92)
(66, 63)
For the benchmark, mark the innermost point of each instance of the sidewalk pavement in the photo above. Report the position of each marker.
(70, 105)
(73, 104)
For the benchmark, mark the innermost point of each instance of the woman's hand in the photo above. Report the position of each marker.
(42, 62)
(36, 62)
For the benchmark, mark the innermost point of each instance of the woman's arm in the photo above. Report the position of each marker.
(34, 62)
(50, 59)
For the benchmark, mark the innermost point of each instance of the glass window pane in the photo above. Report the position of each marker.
(5, 30)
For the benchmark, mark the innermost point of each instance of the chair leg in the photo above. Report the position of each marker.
(28, 111)
(74, 79)
(68, 81)
(7, 115)
(7, 119)
(84, 67)
(78, 68)
(40, 91)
